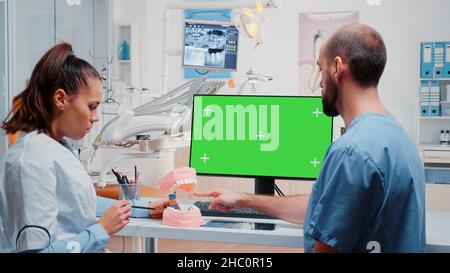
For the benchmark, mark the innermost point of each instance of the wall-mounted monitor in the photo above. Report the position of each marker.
(210, 45)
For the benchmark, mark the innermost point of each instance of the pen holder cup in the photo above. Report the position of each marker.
(130, 191)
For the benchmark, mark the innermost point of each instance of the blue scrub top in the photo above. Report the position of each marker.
(370, 195)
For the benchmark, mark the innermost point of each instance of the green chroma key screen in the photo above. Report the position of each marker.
(253, 136)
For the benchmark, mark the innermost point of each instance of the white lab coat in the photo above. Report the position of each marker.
(45, 195)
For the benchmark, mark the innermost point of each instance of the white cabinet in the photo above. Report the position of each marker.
(429, 130)
(433, 115)
(435, 156)
(437, 163)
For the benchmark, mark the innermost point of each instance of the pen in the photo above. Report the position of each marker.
(137, 207)
(117, 176)
(138, 177)
(122, 182)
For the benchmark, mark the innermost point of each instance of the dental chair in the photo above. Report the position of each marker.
(163, 119)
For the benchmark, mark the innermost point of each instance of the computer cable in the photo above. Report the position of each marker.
(279, 191)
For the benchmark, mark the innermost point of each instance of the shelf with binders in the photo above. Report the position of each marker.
(434, 99)
(435, 60)
(434, 113)
(433, 125)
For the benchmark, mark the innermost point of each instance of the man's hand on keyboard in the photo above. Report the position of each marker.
(222, 199)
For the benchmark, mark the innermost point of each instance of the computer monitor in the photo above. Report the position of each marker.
(262, 137)
(210, 45)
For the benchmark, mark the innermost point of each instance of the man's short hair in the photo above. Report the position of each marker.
(363, 49)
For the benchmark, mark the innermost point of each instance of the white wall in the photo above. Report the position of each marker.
(34, 33)
(3, 76)
(75, 25)
(402, 23)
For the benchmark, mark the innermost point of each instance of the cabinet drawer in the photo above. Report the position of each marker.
(437, 175)
(436, 156)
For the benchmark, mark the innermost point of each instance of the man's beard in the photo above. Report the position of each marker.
(330, 98)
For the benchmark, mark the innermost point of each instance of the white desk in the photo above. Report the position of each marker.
(438, 232)
(284, 235)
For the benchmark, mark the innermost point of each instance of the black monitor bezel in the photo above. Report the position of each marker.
(250, 176)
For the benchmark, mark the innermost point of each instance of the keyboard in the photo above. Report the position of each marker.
(235, 213)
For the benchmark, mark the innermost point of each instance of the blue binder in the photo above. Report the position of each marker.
(438, 59)
(424, 98)
(447, 60)
(435, 98)
(426, 60)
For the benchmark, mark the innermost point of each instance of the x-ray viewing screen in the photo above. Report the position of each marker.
(211, 46)
(257, 136)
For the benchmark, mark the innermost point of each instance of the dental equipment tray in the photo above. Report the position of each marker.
(235, 213)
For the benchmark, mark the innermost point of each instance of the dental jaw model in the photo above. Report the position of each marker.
(184, 179)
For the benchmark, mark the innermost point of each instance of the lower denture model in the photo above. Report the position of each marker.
(184, 179)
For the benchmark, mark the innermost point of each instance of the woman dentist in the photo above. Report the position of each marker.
(47, 200)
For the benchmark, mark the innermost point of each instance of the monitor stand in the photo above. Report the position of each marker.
(265, 186)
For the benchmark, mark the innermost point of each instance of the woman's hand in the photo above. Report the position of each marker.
(159, 207)
(116, 217)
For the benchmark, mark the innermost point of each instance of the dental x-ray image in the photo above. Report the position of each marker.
(216, 42)
(211, 46)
